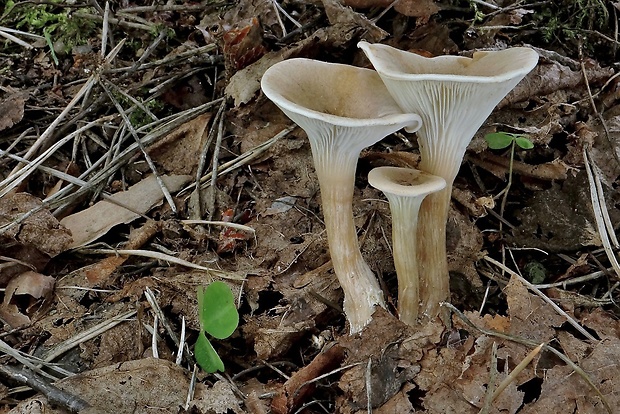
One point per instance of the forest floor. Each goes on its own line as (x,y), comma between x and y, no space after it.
(140,160)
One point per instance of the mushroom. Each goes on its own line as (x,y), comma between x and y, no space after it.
(343,109)
(454,95)
(405,188)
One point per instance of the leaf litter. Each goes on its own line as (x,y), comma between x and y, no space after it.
(137,104)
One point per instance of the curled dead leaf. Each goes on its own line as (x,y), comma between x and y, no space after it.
(23,295)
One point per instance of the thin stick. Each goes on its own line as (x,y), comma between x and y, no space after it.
(181,343)
(54,395)
(369,386)
(154,350)
(147,157)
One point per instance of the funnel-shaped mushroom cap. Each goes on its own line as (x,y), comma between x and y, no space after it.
(343,109)
(314,93)
(405,182)
(454,95)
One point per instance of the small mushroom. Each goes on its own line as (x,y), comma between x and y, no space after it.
(454,95)
(343,109)
(405,188)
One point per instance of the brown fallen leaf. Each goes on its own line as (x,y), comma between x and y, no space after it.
(39,229)
(28,243)
(245,83)
(176,153)
(337,13)
(12,109)
(141,387)
(553,76)
(27,290)
(90,224)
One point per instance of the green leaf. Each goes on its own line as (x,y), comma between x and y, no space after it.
(535,272)
(206,356)
(524,142)
(499,140)
(217,312)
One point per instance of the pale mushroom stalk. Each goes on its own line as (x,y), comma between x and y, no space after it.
(454,96)
(405,188)
(343,109)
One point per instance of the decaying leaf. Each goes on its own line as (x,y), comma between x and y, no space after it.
(12,109)
(39,229)
(23,293)
(90,224)
(339,14)
(145,386)
(178,152)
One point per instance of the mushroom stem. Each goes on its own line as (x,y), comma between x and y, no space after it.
(361,289)
(405,188)
(432,260)
(404,225)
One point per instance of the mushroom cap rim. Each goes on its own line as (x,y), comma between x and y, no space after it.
(531,60)
(409,120)
(388,179)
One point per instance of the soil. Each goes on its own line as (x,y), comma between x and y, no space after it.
(115,118)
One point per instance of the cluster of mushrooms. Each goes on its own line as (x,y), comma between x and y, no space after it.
(344,109)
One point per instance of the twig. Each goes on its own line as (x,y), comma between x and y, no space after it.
(150,297)
(221,223)
(368,378)
(515,372)
(53,394)
(244,158)
(154,350)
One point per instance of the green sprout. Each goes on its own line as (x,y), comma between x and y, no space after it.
(218,316)
(501,140)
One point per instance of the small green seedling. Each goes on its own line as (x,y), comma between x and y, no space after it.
(219,318)
(501,140)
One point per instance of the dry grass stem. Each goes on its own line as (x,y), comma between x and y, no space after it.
(601,215)
(515,372)
(86,335)
(166,258)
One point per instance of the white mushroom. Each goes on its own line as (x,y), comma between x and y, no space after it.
(343,109)
(454,96)
(405,188)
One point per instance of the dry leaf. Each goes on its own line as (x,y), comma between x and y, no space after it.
(12,109)
(92,223)
(40,229)
(32,288)
(177,153)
